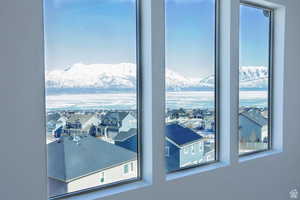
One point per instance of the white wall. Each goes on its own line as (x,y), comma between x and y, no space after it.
(22,143)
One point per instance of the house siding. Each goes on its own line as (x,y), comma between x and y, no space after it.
(247,128)
(111,175)
(172,161)
(130,143)
(56,187)
(128,123)
(187,157)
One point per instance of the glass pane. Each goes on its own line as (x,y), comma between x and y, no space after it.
(190,83)
(91,93)
(254,79)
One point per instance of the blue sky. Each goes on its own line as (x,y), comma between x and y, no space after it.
(89,31)
(254,37)
(103,31)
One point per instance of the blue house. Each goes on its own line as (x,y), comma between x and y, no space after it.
(127,139)
(253,127)
(183,147)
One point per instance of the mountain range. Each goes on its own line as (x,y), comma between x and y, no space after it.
(123,77)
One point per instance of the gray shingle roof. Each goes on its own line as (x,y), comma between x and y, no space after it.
(116,115)
(255,116)
(80,117)
(53,117)
(123,135)
(181,135)
(68,160)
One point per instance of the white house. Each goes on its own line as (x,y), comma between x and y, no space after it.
(85,162)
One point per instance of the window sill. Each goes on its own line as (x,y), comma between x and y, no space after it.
(258,155)
(195,170)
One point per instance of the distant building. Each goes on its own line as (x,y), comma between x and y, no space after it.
(197,113)
(253,126)
(183,147)
(76,163)
(175,114)
(80,124)
(55,122)
(113,123)
(127,139)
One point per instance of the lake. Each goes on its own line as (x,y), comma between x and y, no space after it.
(122,101)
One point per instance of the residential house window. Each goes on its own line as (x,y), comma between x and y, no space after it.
(186,150)
(102,177)
(126,169)
(91,83)
(200,147)
(190,76)
(255,79)
(193,148)
(132,167)
(167,151)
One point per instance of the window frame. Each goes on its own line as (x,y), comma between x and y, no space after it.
(139,95)
(217,95)
(270,79)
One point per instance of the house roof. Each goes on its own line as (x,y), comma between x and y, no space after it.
(116,115)
(53,117)
(181,135)
(80,117)
(69,160)
(255,116)
(124,135)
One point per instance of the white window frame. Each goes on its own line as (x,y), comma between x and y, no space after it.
(21,111)
(270,77)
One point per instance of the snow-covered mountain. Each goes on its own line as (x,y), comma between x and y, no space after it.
(123,76)
(254,77)
(102,76)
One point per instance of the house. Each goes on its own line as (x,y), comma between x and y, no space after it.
(113,122)
(81,162)
(52,119)
(177,113)
(55,124)
(80,123)
(127,139)
(253,126)
(197,113)
(183,147)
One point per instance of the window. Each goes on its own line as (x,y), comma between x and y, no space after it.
(132,167)
(200,147)
(186,150)
(126,169)
(255,75)
(190,75)
(167,149)
(91,93)
(102,177)
(193,148)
